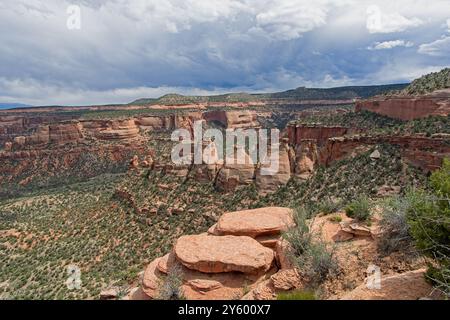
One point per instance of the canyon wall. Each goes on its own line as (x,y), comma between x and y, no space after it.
(325,145)
(242,119)
(409,107)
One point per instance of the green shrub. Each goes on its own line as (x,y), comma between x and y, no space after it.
(328,206)
(171,287)
(296,295)
(359,208)
(394,223)
(335,218)
(311,255)
(429,222)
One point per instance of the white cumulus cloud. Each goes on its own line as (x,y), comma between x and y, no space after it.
(440,47)
(286,20)
(390,44)
(382,22)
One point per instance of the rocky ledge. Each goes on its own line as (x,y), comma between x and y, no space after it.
(227,262)
(244,257)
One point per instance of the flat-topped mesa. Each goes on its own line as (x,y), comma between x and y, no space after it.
(256,222)
(213,254)
(436,103)
(242,119)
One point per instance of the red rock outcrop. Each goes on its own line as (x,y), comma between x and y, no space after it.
(237,170)
(256,222)
(312,147)
(61,133)
(409,107)
(38,162)
(244,119)
(169,122)
(277,172)
(215,254)
(426,153)
(405,286)
(222,266)
(118,130)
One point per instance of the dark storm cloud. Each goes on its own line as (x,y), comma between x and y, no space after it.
(130,49)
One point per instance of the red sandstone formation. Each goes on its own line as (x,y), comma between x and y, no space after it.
(312,146)
(409,107)
(221,266)
(255,222)
(169,122)
(213,254)
(269,180)
(244,119)
(405,286)
(55,134)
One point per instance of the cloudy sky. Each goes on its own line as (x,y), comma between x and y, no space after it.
(120,50)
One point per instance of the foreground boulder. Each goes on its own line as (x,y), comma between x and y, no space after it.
(255,222)
(213,266)
(405,286)
(213,254)
(209,286)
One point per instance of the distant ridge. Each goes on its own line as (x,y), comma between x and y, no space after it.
(301,93)
(13,105)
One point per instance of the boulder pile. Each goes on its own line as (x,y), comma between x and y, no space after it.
(237,255)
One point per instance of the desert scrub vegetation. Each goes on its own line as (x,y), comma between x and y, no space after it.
(394,224)
(359,208)
(429,222)
(374,123)
(428,83)
(171,285)
(310,254)
(83,225)
(328,205)
(297,295)
(422,217)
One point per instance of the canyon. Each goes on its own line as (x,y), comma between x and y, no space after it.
(303,148)
(139,224)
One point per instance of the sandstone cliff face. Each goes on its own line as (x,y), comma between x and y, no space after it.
(119,130)
(271,181)
(314,147)
(244,119)
(23,167)
(169,122)
(56,134)
(423,152)
(234,173)
(409,108)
